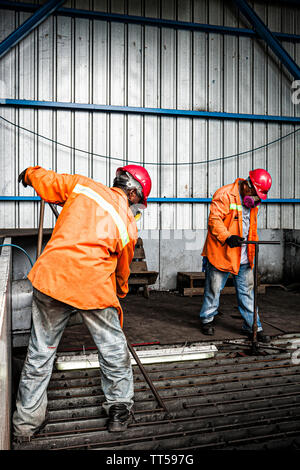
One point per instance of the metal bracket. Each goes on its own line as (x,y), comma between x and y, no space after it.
(29,25)
(269,37)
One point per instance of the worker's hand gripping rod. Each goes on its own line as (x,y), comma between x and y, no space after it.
(135,356)
(256,243)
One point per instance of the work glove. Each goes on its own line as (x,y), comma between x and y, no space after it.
(234,241)
(21,178)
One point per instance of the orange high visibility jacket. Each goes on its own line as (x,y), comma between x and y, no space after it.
(86,262)
(225,219)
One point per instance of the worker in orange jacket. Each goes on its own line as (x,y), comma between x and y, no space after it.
(232,219)
(84,266)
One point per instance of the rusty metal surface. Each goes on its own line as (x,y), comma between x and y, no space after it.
(232,401)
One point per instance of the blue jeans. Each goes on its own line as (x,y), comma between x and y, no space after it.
(215,281)
(49,318)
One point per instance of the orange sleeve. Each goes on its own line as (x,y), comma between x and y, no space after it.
(219,208)
(123,270)
(50,186)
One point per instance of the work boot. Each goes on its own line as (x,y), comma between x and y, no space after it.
(260,336)
(207,329)
(118,417)
(23,438)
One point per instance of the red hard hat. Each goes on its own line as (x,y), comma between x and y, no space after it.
(140,174)
(261,181)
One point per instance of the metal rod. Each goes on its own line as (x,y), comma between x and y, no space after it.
(163,199)
(265,34)
(261,242)
(254,337)
(40,233)
(54,210)
(59,105)
(29,25)
(147,378)
(256,244)
(149,21)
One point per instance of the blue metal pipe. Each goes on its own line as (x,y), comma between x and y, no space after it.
(208,28)
(29,25)
(269,37)
(159,199)
(140,110)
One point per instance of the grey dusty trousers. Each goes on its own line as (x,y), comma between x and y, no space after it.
(49,318)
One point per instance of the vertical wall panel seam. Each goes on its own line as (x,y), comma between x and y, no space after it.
(191,127)
(73,91)
(108,95)
(16,120)
(125,116)
(91,97)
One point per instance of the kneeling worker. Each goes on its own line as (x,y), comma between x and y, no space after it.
(232,219)
(84,266)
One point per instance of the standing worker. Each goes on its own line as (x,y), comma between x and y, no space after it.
(232,219)
(85,266)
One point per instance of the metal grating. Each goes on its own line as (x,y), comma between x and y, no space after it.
(233,401)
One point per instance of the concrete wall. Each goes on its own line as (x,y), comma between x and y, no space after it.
(5,346)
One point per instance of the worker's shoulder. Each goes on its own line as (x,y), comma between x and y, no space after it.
(224,191)
(114,196)
(92,184)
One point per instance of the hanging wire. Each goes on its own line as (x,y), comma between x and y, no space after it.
(20,248)
(149,163)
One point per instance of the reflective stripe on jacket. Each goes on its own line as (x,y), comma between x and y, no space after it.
(86,262)
(225,219)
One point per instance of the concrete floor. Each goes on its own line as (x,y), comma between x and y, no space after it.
(169,318)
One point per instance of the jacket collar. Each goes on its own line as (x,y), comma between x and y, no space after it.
(121,193)
(235,187)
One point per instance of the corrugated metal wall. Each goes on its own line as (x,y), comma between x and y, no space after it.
(92,61)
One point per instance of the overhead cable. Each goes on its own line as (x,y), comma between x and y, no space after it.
(109,157)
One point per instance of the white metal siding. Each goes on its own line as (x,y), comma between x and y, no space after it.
(92,61)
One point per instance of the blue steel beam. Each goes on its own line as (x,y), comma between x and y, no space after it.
(29,25)
(159,199)
(144,111)
(269,37)
(102,16)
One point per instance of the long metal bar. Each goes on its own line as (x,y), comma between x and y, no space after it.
(141,20)
(145,111)
(255,308)
(147,378)
(159,199)
(269,37)
(29,25)
(54,210)
(261,242)
(40,232)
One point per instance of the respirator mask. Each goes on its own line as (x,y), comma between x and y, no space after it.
(251,201)
(135,210)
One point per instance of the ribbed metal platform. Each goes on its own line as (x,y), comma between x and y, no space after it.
(233,401)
